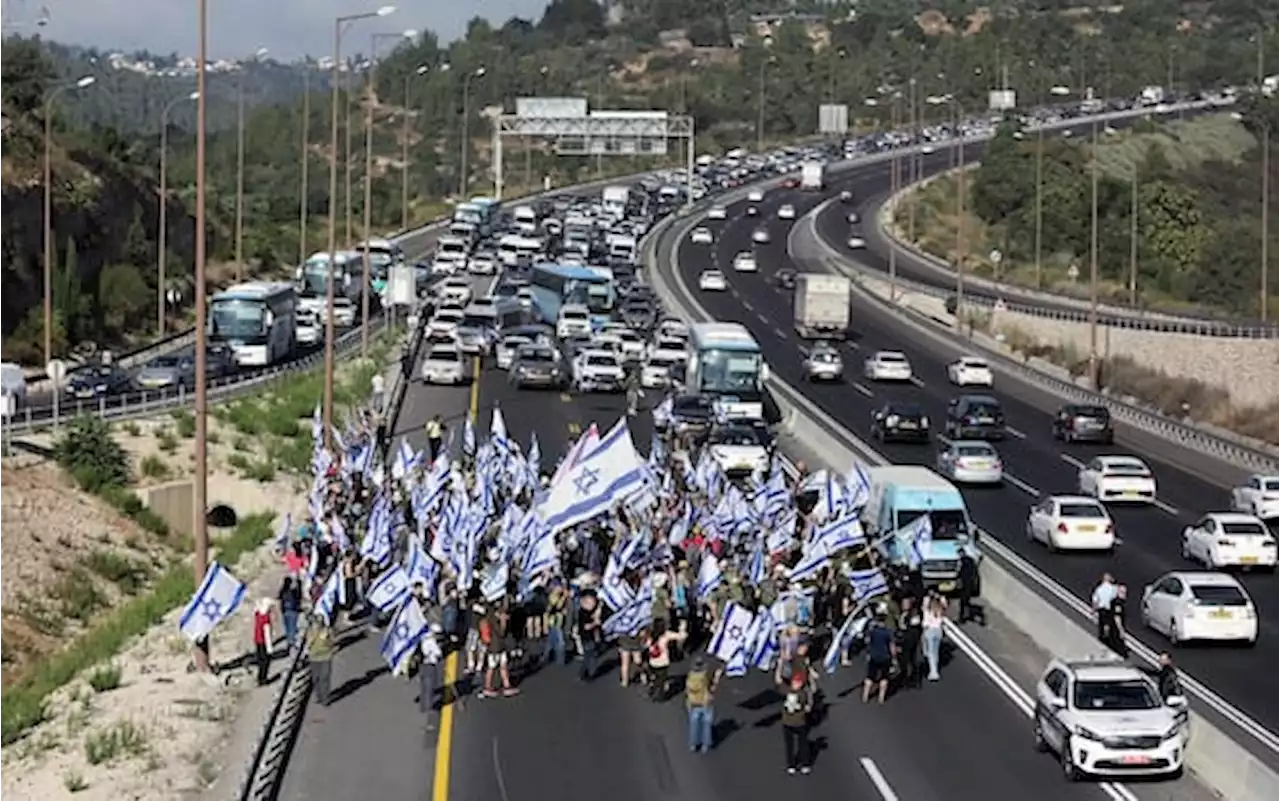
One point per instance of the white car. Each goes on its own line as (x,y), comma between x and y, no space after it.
(823,364)
(970,462)
(482,264)
(1229,539)
(455,290)
(631,344)
(344,312)
(745,263)
(1260,497)
(786,212)
(701,236)
(672,348)
(598,371)
(761,236)
(856,243)
(506,349)
(1117,478)
(1071,523)
(672,329)
(970,371)
(444,365)
(656,373)
(717,213)
(574,319)
(1189,606)
(739,449)
(755,196)
(712,281)
(1106,718)
(887,365)
(445,321)
(444,266)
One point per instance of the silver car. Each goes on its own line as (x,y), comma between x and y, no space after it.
(506,350)
(444,365)
(824,364)
(970,462)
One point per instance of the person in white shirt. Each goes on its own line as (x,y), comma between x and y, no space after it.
(935,610)
(1103,596)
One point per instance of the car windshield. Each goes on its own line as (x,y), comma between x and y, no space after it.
(443,355)
(515,343)
(740,436)
(1127,469)
(892,358)
(905,410)
(1271,485)
(974,364)
(1114,696)
(1087,510)
(1218,595)
(477,321)
(573,314)
(1091,412)
(537,356)
(237,318)
(1244,528)
(975,450)
(602,361)
(449,315)
(692,407)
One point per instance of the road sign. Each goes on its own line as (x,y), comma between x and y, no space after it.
(402,284)
(551,107)
(8,405)
(833,118)
(1002,99)
(56,369)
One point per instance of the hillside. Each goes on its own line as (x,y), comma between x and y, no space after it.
(722,62)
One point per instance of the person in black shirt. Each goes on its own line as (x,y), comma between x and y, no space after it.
(590,632)
(881,651)
(1166,676)
(969,590)
(1115,630)
(910,633)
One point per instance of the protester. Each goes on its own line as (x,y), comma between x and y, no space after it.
(262,639)
(699,699)
(320,655)
(290,597)
(935,611)
(797,703)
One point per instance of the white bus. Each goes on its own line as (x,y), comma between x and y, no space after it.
(725,363)
(256,320)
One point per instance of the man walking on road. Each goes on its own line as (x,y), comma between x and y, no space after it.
(320,654)
(435,436)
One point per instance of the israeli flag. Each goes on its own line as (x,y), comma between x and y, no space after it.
(851,628)
(494,585)
(841,533)
(710,576)
(858,484)
(540,557)
(421,568)
(376,545)
(284,533)
(214,601)
(917,536)
(406,461)
(867,584)
(737,666)
(731,635)
(534,459)
(403,636)
(764,641)
(332,597)
(390,589)
(630,619)
(602,477)
(468,437)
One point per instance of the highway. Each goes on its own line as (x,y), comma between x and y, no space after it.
(565,740)
(1035,462)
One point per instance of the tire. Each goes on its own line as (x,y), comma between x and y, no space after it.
(1037,733)
(1069,770)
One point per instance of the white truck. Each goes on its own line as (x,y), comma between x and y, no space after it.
(614,199)
(813,176)
(822,306)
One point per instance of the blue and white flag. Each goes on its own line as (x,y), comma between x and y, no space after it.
(732,633)
(389,589)
(851,628)
(630,619)
(468,437)
(534,458)
(494,585)
(214,601)
(285,534)
(709,576)
(421,568)
(764,641)
(917,536)
(332,597)
(867,584)
(403,636)
(602,477)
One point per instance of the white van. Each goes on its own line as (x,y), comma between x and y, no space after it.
(13,383)
(526,220)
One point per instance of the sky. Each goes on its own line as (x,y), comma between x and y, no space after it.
(289,29)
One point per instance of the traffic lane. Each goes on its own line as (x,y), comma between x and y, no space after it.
(637,749)
(1149,537)
(370,742)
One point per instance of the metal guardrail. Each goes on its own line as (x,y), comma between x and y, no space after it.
(1056,306)
(262,774)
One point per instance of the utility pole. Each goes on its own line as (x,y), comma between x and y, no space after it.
(1133,238)
(303,189)
(895,183)
(1094,371)
(199,479)
(961,245)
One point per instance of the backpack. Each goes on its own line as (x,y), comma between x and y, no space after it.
(486,631)
(696,688)
(655,649)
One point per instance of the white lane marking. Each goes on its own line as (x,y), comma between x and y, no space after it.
(780,333)
(1015,432)
(1071,460)
(763,319)
(877,778)
(497,773)
(1167,508)
(746,304)
(862,389)
(916,382)
(1022,485)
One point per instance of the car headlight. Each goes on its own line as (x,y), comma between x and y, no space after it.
(1088,734)
(891,420)
(924,422)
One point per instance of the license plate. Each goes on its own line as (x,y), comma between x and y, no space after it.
(1087,529)
(1131,493)
(986,420)
(1135,759)
(907,425)
(1220,614)
(946,586)
(1248,560)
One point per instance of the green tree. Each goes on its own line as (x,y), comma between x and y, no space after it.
(123,297)
(88,452)
(1005,182)
(1174,236)
(25,73)
(69,302)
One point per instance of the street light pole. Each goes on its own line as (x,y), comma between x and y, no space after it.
(370,75)
(303,189)
(1093,260)
(259,53)
(466,129)
(895,184)
(162,232)
(1133,237)
(338,24)
(199,479)
(1263,300)
(346,161)
(404,151)
(48,208)
(961,244)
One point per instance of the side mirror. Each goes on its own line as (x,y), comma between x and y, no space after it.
(1057,703)
(1176,701)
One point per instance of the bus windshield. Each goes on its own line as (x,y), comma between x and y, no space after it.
(729,372)
(315,278)
(237,319)
(948,524)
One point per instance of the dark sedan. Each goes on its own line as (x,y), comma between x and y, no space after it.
(898,421)
(537,366)
(97,381)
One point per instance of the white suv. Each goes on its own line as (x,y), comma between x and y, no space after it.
(1105,717)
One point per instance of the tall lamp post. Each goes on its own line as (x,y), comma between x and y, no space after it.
(1054,91)
(466,129)
(421,70)
(257,54)
(764,64)
(339,25)
(199,478)
(1093,257)
(162,232)
(961,244)
(52,95)
(370,87)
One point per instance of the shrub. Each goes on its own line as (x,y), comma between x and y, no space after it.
(127,574)
(105,678)
(124,739)
(185,422)
(153,466)
(87,451)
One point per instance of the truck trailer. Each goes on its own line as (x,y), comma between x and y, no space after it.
(813,176)
(822,306)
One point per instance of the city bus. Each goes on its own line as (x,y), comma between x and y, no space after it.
(383,255)
(556,284)
(256,320)
(725,363)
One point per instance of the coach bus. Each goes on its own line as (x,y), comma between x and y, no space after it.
(557,284)
(725,363)
(256,320)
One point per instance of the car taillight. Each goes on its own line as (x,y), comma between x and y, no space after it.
(1062,528)
(1225,543)
(1110,528)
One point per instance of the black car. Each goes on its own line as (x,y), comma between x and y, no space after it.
(901,421)
(538,366)
(1076,422)
(97,381)
(975,417)
(786,278)
(691,415)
